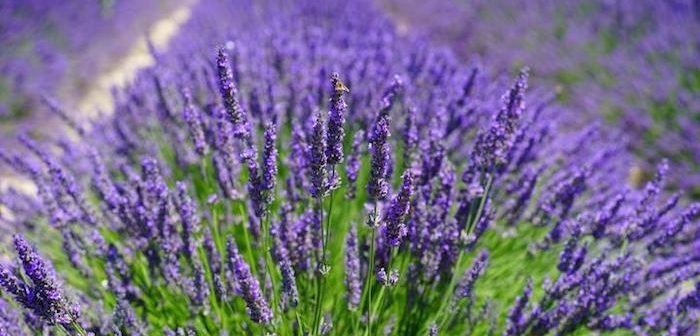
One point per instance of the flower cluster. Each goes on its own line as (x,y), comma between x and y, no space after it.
(228,192)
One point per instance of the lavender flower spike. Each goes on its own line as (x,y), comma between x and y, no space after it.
(190,222)
(269,173)
(466,286)
(336,121)
(353,280)
(290,293)
(194,122)
(317,159)
(391,94)
(229,94)
(352,166)
(378,187)
(395,228)
(46,299)
(515,316)
(492,146)
(258,309)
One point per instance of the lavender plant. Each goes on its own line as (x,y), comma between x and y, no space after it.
(378,186)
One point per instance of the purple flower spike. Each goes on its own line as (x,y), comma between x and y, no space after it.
(352,167)
(190,221)
(378,187)
(394,222)
(515,316)
(269,174)
(466,286)
(258,309)
(43,296)
(229,93)
(318,160)
(391,95)
(290,293)
(336,121)
(353,280)
(492,146)
(194,122)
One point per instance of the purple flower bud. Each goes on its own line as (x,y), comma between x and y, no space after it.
(393,278)
(382,277)
(326,325)
(336,121)
(434,329)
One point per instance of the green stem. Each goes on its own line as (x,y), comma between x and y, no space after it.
(325,238)
(78,328)
(269,265)
(370,270)
(328,219)
(319,277)
(246,238)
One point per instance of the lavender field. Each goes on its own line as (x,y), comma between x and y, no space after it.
(362,167)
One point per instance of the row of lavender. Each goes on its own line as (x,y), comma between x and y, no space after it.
(635,62)
(320,174)
(57,48)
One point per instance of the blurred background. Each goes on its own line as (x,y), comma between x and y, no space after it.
(634,65)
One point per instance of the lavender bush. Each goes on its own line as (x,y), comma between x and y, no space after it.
(304,169)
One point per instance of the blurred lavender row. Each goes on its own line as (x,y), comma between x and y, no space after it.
(58,49)
(635,63)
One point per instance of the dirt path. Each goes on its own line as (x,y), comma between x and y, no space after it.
(122,73)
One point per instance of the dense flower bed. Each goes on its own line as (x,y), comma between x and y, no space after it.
(304,169)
